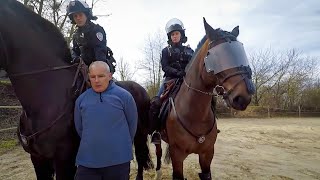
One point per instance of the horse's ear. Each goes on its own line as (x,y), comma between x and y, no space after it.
(210,32)
(235,31)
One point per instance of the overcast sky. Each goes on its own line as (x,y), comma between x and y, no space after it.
(280,24)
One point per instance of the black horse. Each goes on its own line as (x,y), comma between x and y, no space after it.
(34,54)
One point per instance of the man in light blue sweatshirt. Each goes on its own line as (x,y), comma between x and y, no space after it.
(106,119)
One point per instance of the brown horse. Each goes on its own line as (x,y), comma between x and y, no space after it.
(34,53)
(219,64)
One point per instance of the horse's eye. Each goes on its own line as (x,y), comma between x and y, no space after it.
(208,53)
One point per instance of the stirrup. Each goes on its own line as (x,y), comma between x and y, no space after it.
(156,137)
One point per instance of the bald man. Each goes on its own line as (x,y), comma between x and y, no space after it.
(106,119)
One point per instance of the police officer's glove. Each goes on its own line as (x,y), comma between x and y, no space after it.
(181,74)
(75,60)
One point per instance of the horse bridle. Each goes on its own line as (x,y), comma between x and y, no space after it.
(25,139)
(245,73)
(219,90)
(4,54)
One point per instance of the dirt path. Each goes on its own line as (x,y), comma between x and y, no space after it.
(275,149)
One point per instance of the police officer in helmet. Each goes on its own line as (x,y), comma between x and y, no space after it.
(89,40)
(174,60)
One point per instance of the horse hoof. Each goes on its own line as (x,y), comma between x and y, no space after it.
(205,176)
(158,175)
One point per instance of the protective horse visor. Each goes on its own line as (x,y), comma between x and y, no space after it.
(225,56)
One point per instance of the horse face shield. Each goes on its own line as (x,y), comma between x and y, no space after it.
(227,56)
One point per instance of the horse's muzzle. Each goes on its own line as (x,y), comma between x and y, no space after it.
(240,102)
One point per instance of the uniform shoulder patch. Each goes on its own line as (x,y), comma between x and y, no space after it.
(99,36)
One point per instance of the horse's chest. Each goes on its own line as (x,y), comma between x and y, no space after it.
(184,136)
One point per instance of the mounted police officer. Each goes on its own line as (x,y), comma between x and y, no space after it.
(174,60)
(89,40)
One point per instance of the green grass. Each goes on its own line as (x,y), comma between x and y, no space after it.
(6,145)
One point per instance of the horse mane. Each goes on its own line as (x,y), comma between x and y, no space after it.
(41,25)
(200,44)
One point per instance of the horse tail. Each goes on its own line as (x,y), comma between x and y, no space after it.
(142,150)
(167,158)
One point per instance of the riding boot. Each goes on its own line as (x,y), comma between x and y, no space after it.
(205,176)
(156,137)
(156,124)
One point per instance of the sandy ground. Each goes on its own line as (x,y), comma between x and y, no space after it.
(278,149)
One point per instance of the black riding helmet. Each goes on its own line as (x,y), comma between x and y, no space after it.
(76,6)
(175,25)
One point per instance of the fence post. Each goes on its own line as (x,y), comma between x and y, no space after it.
(299,109)
(269,112)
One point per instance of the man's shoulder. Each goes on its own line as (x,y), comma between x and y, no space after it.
(121,92)
(84,94)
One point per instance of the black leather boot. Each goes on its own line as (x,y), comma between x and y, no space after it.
(156,137)
(155,105)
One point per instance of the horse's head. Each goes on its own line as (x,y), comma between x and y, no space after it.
(225,67)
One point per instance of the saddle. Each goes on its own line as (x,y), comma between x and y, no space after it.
(172,87)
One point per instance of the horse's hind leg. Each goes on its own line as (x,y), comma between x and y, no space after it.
(142,153)
(159,155)
(205,162)
(43,168)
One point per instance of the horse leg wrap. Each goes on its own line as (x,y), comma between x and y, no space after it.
(205,176)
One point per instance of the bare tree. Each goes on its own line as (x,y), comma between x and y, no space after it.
(262,63)
(55,12)
(151,62)
(124,70)
(280,78)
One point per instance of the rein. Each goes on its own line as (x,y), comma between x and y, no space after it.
(198,90)
(25,139)
(55,68)
(200,139)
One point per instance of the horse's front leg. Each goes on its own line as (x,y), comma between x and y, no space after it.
(205,162)
(43,168)
(177,158)
(64,159)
